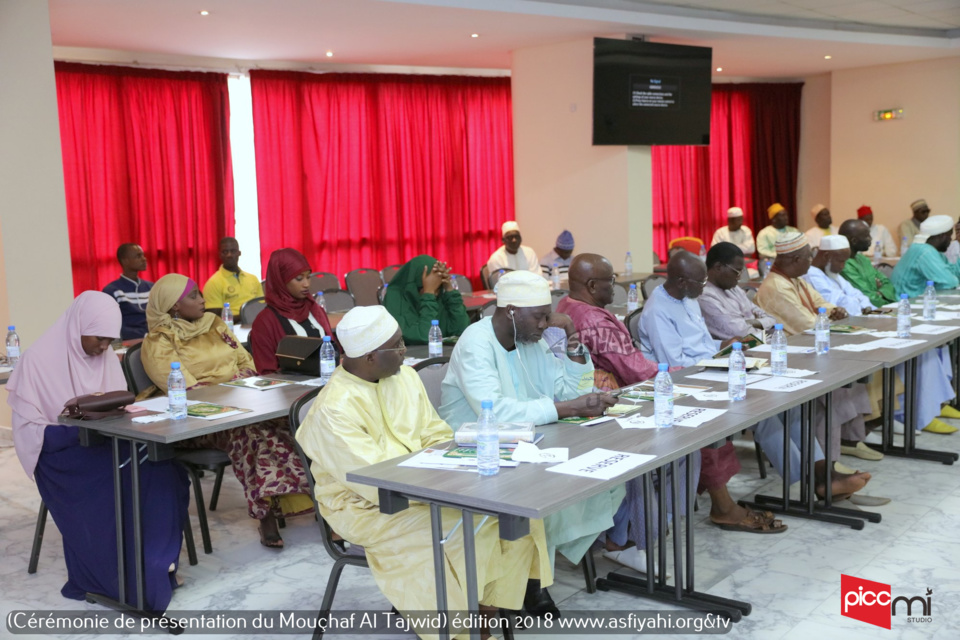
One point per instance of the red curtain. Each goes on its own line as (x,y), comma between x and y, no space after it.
(368,170)
(751,163)
(146,159)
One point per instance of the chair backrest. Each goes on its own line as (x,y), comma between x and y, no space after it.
(556,296)
(750,291)
(656,258)
(364,286)
(690,243)
(650,283)
(485,277)
(133,371)
(322,281)
(488,308)
(251,309)
(338,300)
(494,277)
(464,286)
(885,269)
(633,326)
(387,273)
(619,294)
(298,411)
(431,373)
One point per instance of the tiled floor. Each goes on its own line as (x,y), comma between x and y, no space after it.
(792,579)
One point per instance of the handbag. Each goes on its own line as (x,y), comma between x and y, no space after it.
(94,406)
(300,354)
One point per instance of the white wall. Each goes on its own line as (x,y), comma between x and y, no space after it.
(601,194)
(813,176)
(889,164)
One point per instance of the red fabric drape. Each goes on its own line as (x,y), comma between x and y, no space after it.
(146,159)
(367,170)
(751,163)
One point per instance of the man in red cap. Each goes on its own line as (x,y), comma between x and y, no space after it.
(878,233)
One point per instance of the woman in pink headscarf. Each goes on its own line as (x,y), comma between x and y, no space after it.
(74,358)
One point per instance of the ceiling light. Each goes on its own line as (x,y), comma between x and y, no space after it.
(329,54)
(719,68)
(827,57)
(204,13)
(474,35)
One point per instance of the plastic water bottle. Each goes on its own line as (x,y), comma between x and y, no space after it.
(877,253)
(453,283)
(903,317)
(13,346)
(737,374)
(320,300)
(822,332)
(930,302)
(904,245)
(663,397)
(778,351)
(435,340)
(328,359)
(628,265)
(176,393)
(488,441)
(383,293)
(633,298)
(555,276)
(766,272)
(703,253)
(227,315)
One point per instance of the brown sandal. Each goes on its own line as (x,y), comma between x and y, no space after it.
(272,542)
(755,522)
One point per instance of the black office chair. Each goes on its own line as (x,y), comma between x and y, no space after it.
(364,285)
(323,281)
(650,283)
(250,309)
(387,273)
(494,277)
(338,300)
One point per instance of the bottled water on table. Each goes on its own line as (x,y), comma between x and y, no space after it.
(633,298)
(903,317)
(628,265)
(778,351)
(13,346)
(930,302)
(328,359)
(766,272)
(737,374)
(488,441)
(555,276)
(227,315)
(434,340)
(822,332)
(176,393)
(320,300)
(877,253)
(453,283)
(703,253)
(663,397)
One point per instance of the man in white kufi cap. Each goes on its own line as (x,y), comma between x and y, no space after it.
(824,276)
(910,227)
(823,225)
(513,255)
(927,260)
(374,409)
(504,358)
(736,232)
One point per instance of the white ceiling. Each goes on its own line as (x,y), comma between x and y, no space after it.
(751,38)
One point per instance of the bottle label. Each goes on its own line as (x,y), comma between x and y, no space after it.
(823,336)
(778,356)
(13,352)
(327,367)
(435,349)
(177,397)
(632,306)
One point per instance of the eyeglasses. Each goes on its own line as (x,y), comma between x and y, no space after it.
(612,279)
(399,348)
(702,283)
(736,271)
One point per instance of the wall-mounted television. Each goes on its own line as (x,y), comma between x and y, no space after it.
(650,93)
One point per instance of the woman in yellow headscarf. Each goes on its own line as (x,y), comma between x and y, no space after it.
(263,456)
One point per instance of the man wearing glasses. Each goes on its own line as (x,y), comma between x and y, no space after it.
(726,308)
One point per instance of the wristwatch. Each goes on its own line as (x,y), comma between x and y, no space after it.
(579,352)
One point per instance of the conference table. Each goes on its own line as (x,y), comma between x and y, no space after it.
(155,441)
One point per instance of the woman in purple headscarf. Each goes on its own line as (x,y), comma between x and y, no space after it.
(74,358)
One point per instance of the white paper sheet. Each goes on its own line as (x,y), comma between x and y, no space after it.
(433,459)
(782,384)
(312,382)
(241,332)
(721,376)
(529,452)
(765,348)
(682,417)
(931,329)
(601,464)
(711,396)
(790,373)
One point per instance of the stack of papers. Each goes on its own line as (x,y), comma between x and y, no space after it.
(436,459)
(790,373)
(885,343)
(765,348)
(780,383)
(930,329)
(722,376)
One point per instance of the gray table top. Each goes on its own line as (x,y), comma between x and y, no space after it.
(264,405)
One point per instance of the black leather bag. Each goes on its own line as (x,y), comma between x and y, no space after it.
(300,354)
(95,406)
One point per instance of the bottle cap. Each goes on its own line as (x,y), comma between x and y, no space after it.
(822,310)
(326,338)
(628,253)
(11,328)
(737,346)
(555,263)
(435,323)
(633,285)
(663,366)
(778,327)
(175,365)
(226,305)
(320,293)
(904,296)
(929,283)
(486,404)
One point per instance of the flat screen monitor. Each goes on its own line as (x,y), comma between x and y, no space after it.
(650,93)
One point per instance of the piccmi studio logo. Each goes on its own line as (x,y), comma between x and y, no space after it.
(873,603)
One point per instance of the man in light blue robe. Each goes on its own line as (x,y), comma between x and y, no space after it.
(927,261)
(504,358)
